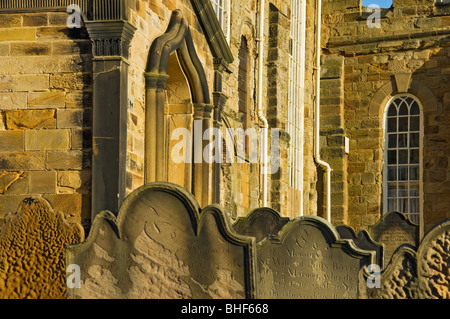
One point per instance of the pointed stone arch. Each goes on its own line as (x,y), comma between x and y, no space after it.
(178,39)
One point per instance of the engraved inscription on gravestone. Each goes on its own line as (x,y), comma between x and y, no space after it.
(307,259)
(260,223)
(161,246)
(393,230)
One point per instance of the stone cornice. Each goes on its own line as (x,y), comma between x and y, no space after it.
(110,38)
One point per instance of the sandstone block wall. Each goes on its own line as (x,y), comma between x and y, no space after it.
(45,112)
(412,40)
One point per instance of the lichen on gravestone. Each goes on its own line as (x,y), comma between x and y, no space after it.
(32,251)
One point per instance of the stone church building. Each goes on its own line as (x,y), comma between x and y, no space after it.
(97,99)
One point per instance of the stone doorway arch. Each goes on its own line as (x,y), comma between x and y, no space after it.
(177,39)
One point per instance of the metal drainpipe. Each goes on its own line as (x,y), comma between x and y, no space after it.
(318,160)
(261,116)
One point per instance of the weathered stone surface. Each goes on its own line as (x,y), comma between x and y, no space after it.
(260,223)
(11,141)
(47,140)
(32,255)
(393,230)
(18,34)
(433,263)
(424,274)
(42,182)
(307,259)
(161,246)
(30,82)
(22,160)
(397,281)
(7,179)
(362,240)
(70,204)
(46,99)
(30,48)
(13,100)
(30,119)
(60,160)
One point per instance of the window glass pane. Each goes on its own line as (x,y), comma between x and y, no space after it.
(414,156)
(414,109)
(414,140)
(392,157)
(403,124)
(402,190)
(392,141)
(402,140)
(403,156)
(415,123)
(402,205)
(414,189)
(392,111)
(403,173)
(414,173)
(414,218)
(403,109)
(392,173)
(413,205)
(392,205)
(392,124)
(408,100)
(392,190)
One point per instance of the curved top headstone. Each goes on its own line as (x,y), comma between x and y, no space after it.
(32,251)
(393,230)
(260,223)
(433,262)
(161,245)
(396,281)
(362,240)
(308,259)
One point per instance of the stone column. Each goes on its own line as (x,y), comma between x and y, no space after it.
(201,174)
(219,100)
(110,41)
(155,134)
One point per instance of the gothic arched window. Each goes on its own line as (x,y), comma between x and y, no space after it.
(402,170)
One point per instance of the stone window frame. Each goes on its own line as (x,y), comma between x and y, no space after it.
(385,158)
(222,9)
(403,83)
(296,86)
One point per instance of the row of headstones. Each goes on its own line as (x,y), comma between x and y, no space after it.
(162,245)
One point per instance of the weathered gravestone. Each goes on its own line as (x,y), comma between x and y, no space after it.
(396,281)
(392,230)
(362,240)
(161,246)
(424,274)
(260,223)
(433,263)
(307,259)
(32,251)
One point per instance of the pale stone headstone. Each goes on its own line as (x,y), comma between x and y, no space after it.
(260,223)
(393,230)
(32,251)
(362,240)
(307,259)
(397,281)
(433,263)
(411,274)
(161,246)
